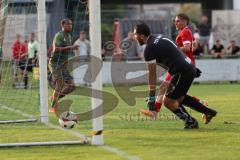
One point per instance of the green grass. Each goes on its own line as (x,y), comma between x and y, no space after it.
(163,139)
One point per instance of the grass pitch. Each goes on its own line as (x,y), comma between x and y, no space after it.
(125,129)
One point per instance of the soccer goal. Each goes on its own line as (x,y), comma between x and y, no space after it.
(24,88)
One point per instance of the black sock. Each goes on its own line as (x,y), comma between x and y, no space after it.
(194,104)
(183,114)
(25,79)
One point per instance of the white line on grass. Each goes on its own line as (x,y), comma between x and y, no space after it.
(117,151)
(16,111)
(105,147)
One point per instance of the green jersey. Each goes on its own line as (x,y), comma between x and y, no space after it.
(59,58)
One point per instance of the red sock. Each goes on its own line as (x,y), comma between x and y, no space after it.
(196,98)
(157,106)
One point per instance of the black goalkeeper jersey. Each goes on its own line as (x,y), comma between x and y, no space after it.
(165,53)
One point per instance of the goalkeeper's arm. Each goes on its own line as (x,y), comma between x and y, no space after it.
(151,84)
(152,78)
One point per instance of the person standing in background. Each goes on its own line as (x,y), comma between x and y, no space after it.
(19,57)
(84,45)
(233,50)
(132,52)
(204,32)
(32,52)
(217,50)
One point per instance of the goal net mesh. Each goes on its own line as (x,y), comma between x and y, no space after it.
(19,83)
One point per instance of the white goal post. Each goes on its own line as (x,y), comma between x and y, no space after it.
(42,33)
(95,37)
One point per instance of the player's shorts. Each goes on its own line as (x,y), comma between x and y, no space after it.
(31,64)
(181,83)
(169,76)
(22,64)
(60,73)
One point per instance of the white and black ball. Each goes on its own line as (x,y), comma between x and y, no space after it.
(67,120)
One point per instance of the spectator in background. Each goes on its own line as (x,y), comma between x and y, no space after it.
(130,47)
(204,32)
(233,50)
(32,52)
(192,27)
(196,35)
(106,52)
(19,55)
(174,31)
(198,49)
(84,45)
(103,53)
(217,50)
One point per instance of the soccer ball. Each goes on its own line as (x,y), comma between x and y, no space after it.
(67,120)
(66,123)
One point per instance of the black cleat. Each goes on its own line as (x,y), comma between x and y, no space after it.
(191,125)
(207,118)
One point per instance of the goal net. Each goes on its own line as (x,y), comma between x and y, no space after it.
(24,118)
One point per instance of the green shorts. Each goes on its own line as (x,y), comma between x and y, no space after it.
(60,73)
